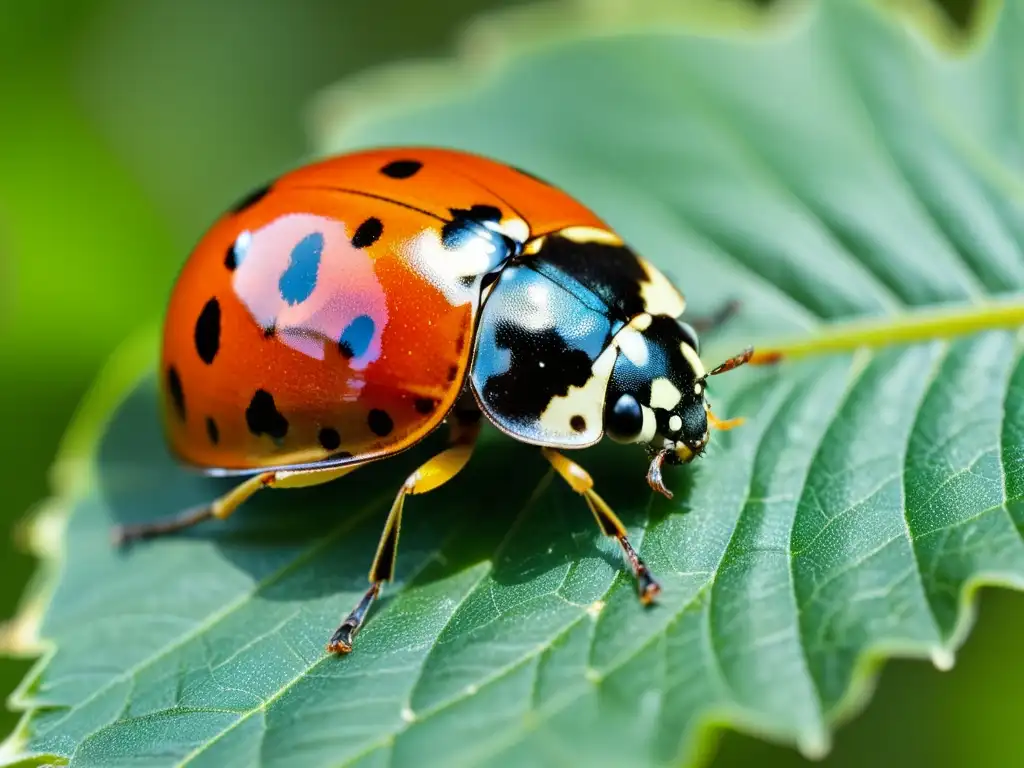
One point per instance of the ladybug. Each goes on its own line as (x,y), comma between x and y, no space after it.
(341,314)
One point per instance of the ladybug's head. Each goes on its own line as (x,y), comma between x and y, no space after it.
(657,393)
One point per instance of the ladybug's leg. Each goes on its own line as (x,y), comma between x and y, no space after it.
(229,502)
(436,472)
(581,482)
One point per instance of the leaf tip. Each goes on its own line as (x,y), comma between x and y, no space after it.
(815,745)
(943,659)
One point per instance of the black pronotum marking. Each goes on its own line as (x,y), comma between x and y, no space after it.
(401,169)
(578,423)
(176,392)
(263,418)
(329,438)
(207,332)
(212,431)
(380,422)
(549,368)
(612,272)
(251,199)
(368,233)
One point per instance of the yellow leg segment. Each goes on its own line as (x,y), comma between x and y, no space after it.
(229,502)
(433,474)
(581,482)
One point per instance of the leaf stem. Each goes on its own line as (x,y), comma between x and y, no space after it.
(900,329)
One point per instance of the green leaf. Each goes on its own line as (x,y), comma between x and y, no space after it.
(830,166)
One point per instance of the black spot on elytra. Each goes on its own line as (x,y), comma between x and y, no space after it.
(380,422)
(356,337)
(368,233)
(543,367)
(612,272)
(269,332)
(263,418)
(578,423)
(230,260)
(329,438)
(453,372)
(425,405)
(207,332)
(212,431)
(401,169)
(251,199)
(176,392)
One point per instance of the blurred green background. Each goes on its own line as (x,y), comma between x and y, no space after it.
(127,125)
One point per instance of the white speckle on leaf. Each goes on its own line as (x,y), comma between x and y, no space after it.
(408,715)
(595,608)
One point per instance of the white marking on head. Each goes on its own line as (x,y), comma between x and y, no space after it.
(664,394)
(697,388)
(693,359)
(649,428)
(634,346)
(675,423)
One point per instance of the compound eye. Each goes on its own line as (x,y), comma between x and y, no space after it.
(689,335)
(625,421)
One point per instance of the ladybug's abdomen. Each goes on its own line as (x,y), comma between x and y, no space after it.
(317,327)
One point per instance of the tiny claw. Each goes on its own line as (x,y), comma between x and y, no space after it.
(647,588)
(341,640)
(127,534)
(123,535)
(654,477)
